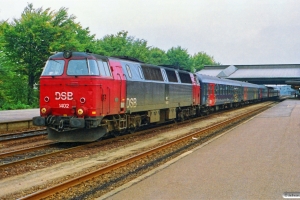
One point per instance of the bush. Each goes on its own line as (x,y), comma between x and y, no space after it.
(12,106)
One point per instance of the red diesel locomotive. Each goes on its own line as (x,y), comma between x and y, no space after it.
(84,96)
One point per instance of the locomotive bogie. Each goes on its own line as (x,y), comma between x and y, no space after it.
(154,116)
(171,113)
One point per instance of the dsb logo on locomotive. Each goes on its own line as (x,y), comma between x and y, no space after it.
(63,95)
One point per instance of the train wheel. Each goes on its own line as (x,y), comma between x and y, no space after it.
(180,117)
(132,129)
(116,133)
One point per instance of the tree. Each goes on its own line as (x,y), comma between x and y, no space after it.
(69,35)
(122,45)
(28,42)
(157,56)
(13,87)
(179,57)
(3,80)
(200,59)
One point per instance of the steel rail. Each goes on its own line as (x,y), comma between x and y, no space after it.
(76,181)
(62,151)
(11,153)
(21,135)
(40,156)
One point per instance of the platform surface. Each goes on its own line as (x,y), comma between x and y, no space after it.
(18,115)
(259,159)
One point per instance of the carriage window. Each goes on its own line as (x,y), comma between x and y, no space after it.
(171,76)
(128,71)
(54,68)
(221,89)
(204,89)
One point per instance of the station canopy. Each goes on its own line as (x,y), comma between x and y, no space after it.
(258,74)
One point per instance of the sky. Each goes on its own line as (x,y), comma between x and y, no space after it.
(234,32)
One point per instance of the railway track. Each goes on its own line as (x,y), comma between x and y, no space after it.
(22,135)
(15,158)
(101,180)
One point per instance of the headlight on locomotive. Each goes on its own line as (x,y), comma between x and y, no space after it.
(45,110)
(80,111)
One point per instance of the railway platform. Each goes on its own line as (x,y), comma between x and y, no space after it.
(259,159)
(18,115)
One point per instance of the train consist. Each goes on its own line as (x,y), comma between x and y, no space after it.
(84,96)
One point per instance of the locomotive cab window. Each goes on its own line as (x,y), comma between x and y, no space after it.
(93,68)
(104,68)
(82,67)
(54,68)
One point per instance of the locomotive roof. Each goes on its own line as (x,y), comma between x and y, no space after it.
(78,54)
(134,60)
(128,58)
(120,58)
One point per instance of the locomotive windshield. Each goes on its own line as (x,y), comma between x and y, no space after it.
(54,68)
(82,67)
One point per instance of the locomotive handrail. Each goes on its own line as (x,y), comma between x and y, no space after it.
(101,97)
(108,99)
(69,84)
(120,89)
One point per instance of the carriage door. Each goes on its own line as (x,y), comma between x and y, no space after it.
(211,94)
(245,93)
